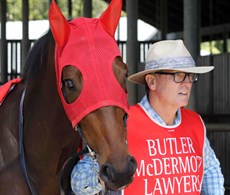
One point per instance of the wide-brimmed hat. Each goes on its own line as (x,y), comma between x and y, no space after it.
(168,55)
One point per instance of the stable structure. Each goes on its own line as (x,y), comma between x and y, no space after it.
(193,21)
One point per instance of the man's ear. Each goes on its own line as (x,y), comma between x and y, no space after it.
(151,81)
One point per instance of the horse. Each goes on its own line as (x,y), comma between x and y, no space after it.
(73,78)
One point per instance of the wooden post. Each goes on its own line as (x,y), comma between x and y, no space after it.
(25,30)
(163,18)
(3,43)
(70,8)
(132,53)
(191,36)
(87,8)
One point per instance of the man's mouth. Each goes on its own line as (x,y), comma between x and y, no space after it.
(183,93)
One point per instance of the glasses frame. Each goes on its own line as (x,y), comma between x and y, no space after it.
(187,74)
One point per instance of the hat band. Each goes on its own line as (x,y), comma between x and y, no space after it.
(171,63)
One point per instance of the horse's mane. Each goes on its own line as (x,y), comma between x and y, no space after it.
(37,56)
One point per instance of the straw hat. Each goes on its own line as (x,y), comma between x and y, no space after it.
(168,55)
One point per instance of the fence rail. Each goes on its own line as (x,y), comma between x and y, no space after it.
(14,58)
(212,89)
(219,137)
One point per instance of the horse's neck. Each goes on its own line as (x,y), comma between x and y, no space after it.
(48,132)
(9,129)
(43,112)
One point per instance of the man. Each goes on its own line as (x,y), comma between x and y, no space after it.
(173,153)
(168,141)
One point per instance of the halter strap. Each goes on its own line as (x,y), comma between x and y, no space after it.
(21,145)
(90,151)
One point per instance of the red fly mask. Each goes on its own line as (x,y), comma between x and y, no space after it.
(89,45)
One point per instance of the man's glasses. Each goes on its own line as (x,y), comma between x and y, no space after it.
(179,77)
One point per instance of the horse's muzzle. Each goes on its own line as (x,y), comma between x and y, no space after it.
(116,180)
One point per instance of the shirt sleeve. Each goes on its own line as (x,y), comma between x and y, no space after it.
(87,178)
(213,180)
(84,177)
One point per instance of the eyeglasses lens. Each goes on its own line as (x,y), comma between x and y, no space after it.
(181,76)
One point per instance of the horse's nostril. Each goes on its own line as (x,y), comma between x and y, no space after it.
(132,165)
(107,172)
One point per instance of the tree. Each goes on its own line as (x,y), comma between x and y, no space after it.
(39,9)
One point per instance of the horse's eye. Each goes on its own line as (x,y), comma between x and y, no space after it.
(125,117)
(69,84)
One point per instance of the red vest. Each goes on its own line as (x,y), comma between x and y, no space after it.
(170,159)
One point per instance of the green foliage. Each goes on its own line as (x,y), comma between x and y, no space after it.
(213,47)
(38,9)
(14,9)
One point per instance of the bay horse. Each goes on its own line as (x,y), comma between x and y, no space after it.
(73,77)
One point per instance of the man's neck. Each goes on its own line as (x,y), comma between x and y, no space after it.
(166,112)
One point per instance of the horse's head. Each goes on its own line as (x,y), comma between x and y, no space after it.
(91,82)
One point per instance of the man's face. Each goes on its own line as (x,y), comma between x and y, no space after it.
(171,93)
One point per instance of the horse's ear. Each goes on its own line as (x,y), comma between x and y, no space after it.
(59,25)
(111,16)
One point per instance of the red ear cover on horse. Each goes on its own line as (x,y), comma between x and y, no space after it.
(59,25)
(111,16)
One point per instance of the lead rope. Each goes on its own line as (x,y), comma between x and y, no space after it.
(92,154)
(21,145)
